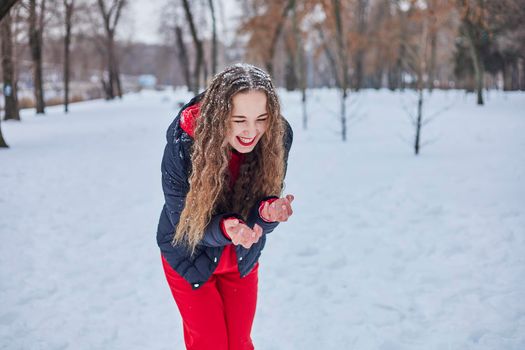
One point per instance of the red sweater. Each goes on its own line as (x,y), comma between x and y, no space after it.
(187,123)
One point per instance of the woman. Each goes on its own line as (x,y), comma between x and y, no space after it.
(222,175)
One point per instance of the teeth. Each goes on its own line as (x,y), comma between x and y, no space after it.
(245,140)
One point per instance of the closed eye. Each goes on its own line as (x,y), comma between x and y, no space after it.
(242,121)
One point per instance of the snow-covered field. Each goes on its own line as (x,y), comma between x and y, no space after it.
(385,250)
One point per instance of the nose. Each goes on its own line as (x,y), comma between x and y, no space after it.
(251,130)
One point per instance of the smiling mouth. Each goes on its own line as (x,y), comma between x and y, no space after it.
(245,142)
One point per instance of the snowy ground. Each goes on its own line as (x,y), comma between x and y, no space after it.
(385,250)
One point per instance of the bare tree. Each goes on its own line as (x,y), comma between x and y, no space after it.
(183,56)
(264,29)
(329,53)
(275,35)
(10,90)
(418,55)
(171,28)
(418,60)
(111,16)
(198,48)
(36,29)
(69,8)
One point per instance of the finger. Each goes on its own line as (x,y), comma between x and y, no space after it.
(231,223)
(247,243)
(286,207)
(283,213)
(268,211)
(266,206)
(289,210)
(290,198)
(243,240)
(235,239)
(273,214)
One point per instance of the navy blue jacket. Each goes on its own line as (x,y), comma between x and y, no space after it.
(176,166)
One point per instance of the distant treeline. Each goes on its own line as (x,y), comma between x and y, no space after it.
(349,44)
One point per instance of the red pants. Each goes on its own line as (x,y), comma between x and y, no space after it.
(218,315)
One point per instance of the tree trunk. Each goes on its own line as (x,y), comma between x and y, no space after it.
(433,53)
(360,53)
(3,144)
(358,59)
(114,85)
(515,76)
(476,60)
(392,78)
(290,72)
(198,48)
(111,17)
(10,98)
(213,40)
(67,42)
(522,74)
(300,62)
(35,41)
(5,6)
(506,76)
(419,116)
(433,45)
(275,37)
(479,75)
(399,70)
(116,73)
(290,79)
(341,48)
(330,57)
(110,88)
(183,58)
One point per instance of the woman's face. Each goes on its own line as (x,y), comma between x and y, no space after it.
(248,120)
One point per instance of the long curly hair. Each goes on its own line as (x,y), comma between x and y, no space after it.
(260,175)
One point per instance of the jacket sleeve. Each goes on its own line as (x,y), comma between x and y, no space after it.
(175,187)
(254,216)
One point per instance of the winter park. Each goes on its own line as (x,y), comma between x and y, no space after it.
(407,169)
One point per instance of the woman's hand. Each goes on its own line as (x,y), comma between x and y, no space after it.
(241,234)
(280,210)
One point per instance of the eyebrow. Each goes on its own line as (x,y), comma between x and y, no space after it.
(241,116)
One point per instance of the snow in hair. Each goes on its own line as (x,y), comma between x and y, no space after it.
(243,76)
